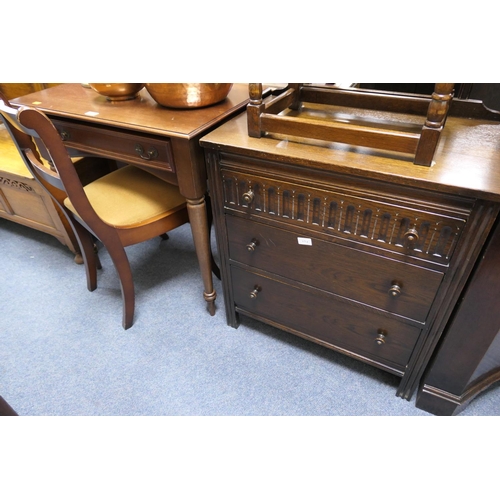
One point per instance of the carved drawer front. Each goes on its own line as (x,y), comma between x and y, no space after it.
(400,288)
(383,340)
(429,233)
(130,148)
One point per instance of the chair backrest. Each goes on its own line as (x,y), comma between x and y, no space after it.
(32,131)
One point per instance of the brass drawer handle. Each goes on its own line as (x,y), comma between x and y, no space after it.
(396,289)
(248,196)
(151,153)
(64,135)
(381,336)
(255,292)
(252,245)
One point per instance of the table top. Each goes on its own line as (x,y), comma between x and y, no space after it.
(467,160)
(143,114)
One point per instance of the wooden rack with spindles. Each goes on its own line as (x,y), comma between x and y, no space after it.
(271,117)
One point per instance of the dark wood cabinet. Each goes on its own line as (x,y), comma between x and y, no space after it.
(362,252)
(467,361)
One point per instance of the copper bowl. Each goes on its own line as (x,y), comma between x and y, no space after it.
(117,91)
(188,95)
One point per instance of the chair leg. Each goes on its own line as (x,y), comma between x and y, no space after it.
(89,255)
(98,261)
(122,266)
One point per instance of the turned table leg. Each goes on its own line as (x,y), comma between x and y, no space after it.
(197,211)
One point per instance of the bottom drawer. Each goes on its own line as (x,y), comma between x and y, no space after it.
(384,340)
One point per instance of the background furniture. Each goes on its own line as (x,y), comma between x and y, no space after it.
(467,361)
(164,142)
(356,249)
(13,90)
(5,409)
(22,199)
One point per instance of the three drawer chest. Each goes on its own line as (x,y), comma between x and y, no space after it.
(358,250)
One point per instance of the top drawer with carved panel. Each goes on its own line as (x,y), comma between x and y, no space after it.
(392,221)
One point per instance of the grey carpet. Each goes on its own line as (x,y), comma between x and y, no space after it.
(63,350)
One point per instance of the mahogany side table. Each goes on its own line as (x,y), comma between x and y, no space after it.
(163,141)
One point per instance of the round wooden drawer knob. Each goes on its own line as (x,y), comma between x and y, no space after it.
(381,336)
(395,290)
(411,236)
(248,196)
(252,245)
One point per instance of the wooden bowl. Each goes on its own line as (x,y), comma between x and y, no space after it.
(188,95)
(117,91)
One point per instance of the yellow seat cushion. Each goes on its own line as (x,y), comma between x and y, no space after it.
(130,196)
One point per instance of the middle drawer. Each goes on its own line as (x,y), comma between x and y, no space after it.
(397,287)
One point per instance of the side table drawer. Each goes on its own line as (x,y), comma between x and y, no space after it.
(397,287)
(127,147)
(321,317)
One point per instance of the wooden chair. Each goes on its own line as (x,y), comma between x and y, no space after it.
(122,208)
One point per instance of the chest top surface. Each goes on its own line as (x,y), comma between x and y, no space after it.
(466,163)
(143,114)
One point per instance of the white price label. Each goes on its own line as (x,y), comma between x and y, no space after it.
(304,241)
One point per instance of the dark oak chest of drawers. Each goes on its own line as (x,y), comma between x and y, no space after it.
(312,242)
